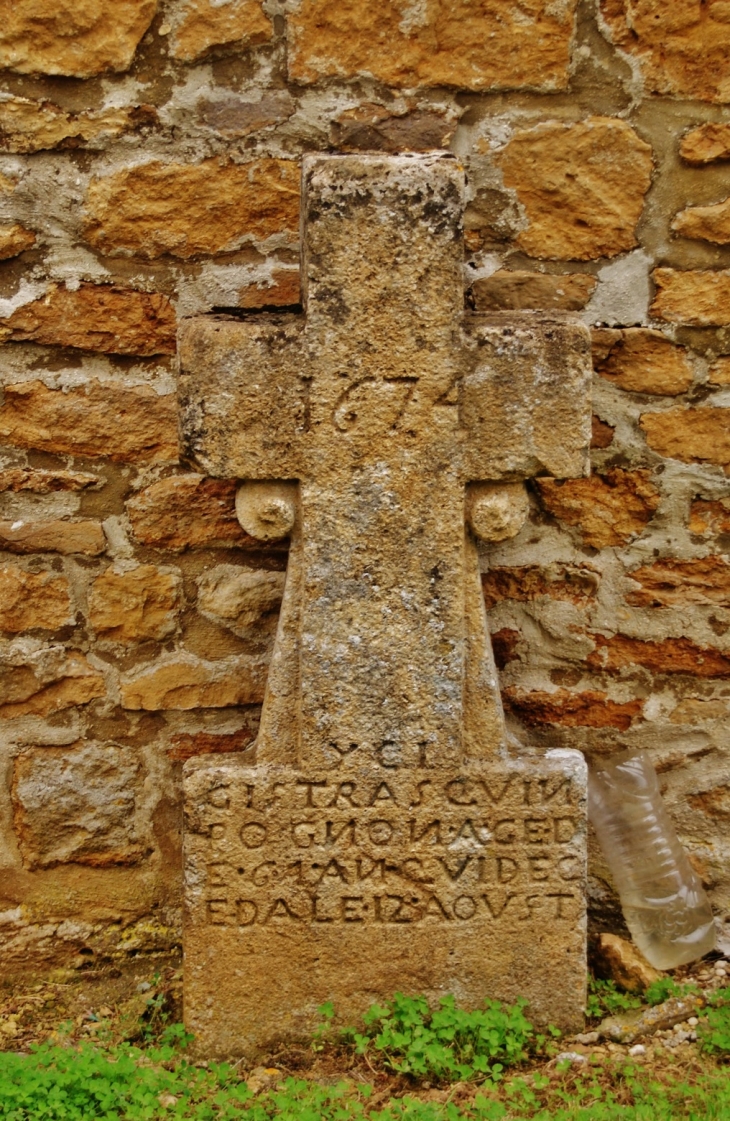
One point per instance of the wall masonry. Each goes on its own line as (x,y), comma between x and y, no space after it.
(150,158)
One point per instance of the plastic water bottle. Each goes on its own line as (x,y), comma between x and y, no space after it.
(663,900)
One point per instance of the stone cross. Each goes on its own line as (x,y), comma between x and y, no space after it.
(387,838)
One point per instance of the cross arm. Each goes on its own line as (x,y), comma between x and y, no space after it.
(243,395)
(525,399)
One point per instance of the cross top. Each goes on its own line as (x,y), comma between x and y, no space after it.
(370,418)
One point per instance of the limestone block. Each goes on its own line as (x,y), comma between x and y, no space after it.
(186,512)
(588,709)
(575,583)
(709,517)
(77,805)
(14,240)
(695,297)
(601,433)
(621,962)
(75,38)
(54,535)
(46,682)
(708,223)
(233,116)
(245,601)
(448,44)
(582,186)
(205,24)
(134,605)
(280,289)
(644,361)
(719,372)
(374,127)
(608,508)
(42,481)
(691,435)
(676,583)
(110,419)
(695,710)
(184,682)
(96,317)
(505,291)
(30,600)
(683,49)
(670,655)
(375,879)
(188,209)
(32,126)
(706,144)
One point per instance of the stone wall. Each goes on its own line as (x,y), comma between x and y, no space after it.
(149,169)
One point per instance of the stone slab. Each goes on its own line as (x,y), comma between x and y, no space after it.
(350,883)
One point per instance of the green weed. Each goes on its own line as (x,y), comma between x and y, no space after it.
(713,1031)
(448,1043)
(604,999)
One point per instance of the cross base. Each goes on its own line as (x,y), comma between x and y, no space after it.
(347,885)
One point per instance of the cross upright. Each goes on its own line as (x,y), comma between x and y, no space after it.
(373,428)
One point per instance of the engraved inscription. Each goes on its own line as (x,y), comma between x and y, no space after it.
(385,847)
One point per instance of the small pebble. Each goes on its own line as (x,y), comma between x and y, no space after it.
(637,1049)
(693,1021)
(572,1057)
(587,1037)
(144,987)
(693,1036)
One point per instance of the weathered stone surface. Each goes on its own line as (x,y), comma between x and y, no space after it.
(123,423)
(373,881)
(374,127)
(134,605)
(582,186)
(41,481)
(47,682)
(14,240)
(719,372)
(32,126)
(709,516)
(245,601)
(455,44)
(643,361)
(608,509)
(572,582)
(77,805)
(55,535)
(205,24)
(675,583)
(621,962)
(588,709)
(706,144)
(281,289)
(234,116)
(381,673)
(670,655)
(30,600)
(184,682)
(682,48)
(96,317)
(187,512)
(496,511)
(187,209)
(693,710)
(695,297)
(692,435)
(75,38)
(708,223)
(628,1026)
(506,291)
